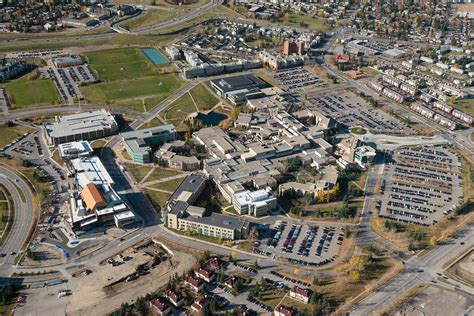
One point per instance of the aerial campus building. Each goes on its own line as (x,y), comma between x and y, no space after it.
(138,144)
(73,150)
(95,202)
(181,215)
(237,89)
(12,68)
(81,126)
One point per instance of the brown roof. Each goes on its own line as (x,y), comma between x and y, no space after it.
(287,311)
(92,197)
(304,292)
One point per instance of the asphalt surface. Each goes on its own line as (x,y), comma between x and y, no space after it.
(22,220)
(420,270)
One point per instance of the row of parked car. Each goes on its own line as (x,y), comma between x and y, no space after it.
(291,238)
(294,281)
(307,242)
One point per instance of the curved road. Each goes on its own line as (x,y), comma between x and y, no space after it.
(142,31)
(22,220)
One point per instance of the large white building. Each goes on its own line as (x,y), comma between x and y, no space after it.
(73,150)
(82,126)
(256,203)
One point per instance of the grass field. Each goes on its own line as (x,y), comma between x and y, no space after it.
(158,198)
(160,173)
(160,85)
(10,133)
(120,64)
(152,123)
(150,17)
(179,110)
(138,172)
(204,99)
(295,20)
(358,131)
(39,92)
(466,105)
(129,80)
(171,185)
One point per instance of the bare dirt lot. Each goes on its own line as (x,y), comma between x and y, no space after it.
(107,283)
(436,301)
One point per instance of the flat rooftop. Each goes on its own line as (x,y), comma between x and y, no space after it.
(85,122)
(91,169)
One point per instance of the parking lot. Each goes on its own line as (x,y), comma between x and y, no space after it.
(421,185)
(30,149)
(351,110)
(298,78)
(67,79)
(302,244)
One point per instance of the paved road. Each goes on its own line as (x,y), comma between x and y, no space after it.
(417,271)
(22,222)
(365,235)
(61,38)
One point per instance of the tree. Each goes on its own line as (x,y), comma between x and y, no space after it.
(255,265)
(238,285)
(355,275)
(433,240)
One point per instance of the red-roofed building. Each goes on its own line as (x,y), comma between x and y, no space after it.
(159,308)
(230,281)
(195,283)
(300,294)
(205,275)
(174,298)
(282,310)
(215,263)
(200,302)
(341,58)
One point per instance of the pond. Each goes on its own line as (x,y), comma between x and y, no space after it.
(212,118)
(155,56)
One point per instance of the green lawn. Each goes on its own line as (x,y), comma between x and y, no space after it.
(179,110)
(3,213)
(152,123)
(295,20)
(8,135)
(171,185)
(160,173)
(358,131)
(25,93)
(160,86)
(465,105)
(158,198)
(120,64)
(138,171)
(149,18)
(204,99)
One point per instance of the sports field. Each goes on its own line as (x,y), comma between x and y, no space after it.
(129,79)
(120,64)
(122,89)
(25,93)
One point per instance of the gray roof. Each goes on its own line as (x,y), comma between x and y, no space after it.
(82,123)
(239,83)
(191,183)
(219,220)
